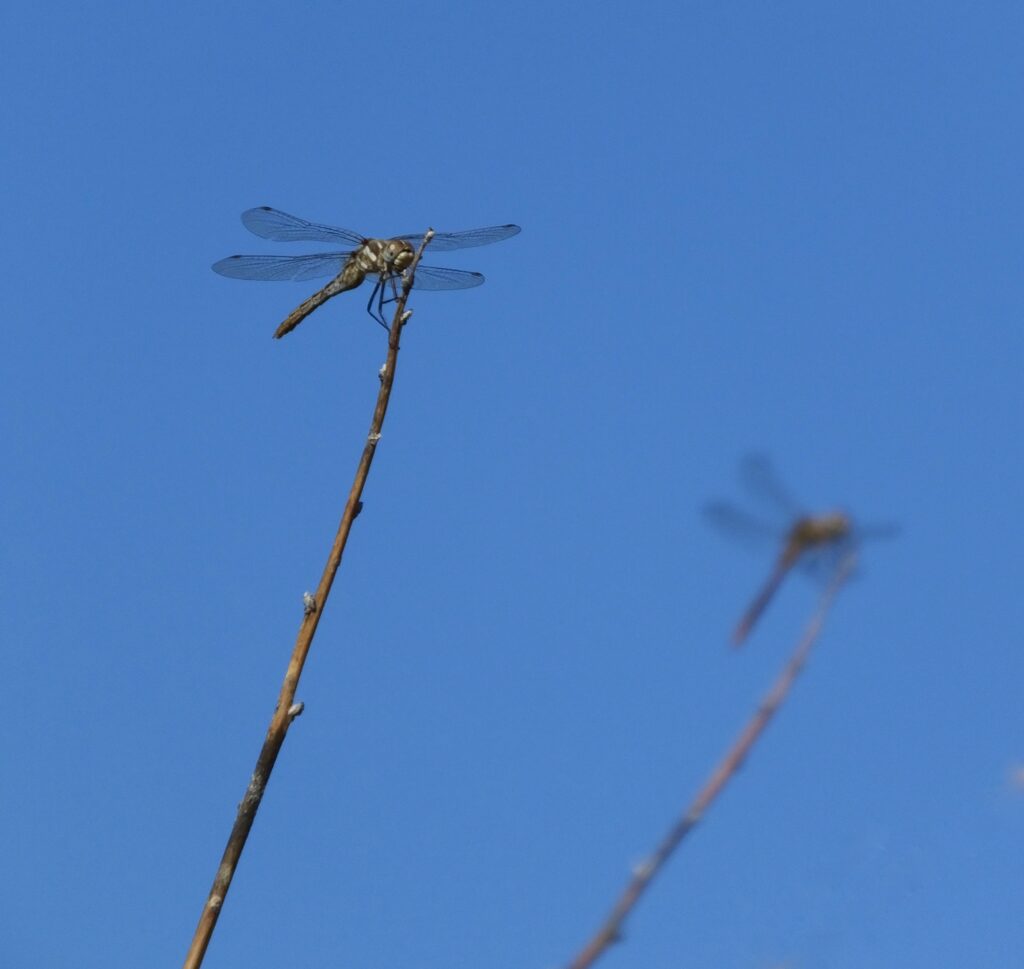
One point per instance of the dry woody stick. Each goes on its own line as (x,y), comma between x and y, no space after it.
(611,929)
(287,710)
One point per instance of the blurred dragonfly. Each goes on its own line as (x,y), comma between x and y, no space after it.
(383,259)
(811,540)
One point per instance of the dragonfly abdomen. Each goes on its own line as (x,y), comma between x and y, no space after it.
(351,276)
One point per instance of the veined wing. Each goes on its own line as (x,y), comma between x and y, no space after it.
(268,223)
(467,239)
(314,266)
(434,277)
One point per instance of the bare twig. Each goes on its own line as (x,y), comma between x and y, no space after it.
(611,930)
(287,710)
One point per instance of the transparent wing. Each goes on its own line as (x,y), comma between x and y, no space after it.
(758,477)
(268,223)
(433,277)
(736,523)
(875,530)
(314,266)
(467,239)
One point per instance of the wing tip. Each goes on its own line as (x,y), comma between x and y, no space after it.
(221,266)
(257,210)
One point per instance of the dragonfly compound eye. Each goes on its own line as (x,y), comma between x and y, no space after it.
(400,255)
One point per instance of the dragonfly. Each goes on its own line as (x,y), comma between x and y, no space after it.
(812,540)
(383,260)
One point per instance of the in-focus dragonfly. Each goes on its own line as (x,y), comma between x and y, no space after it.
(383,259)
(813,540)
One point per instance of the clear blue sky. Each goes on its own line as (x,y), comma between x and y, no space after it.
(790,227)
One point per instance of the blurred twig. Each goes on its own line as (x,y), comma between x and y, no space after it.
(611,930)
(286,709)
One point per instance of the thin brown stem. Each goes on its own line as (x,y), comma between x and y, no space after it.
(611,930)
(285,712)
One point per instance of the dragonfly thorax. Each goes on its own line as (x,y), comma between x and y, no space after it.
(384,256)
(820,529)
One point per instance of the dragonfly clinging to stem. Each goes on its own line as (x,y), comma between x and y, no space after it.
(830,532)
(385,260)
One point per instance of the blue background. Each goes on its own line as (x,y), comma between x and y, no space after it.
(793,228)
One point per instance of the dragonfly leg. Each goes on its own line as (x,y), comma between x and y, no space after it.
(393,298)
(377,316)
(380,304)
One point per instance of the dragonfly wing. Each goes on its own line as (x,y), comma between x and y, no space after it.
(314,266)
(434,277)
(877,530)
(467,239)
(268,223)
(758,477)
(737,523)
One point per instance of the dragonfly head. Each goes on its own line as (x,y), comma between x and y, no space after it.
(397,255)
